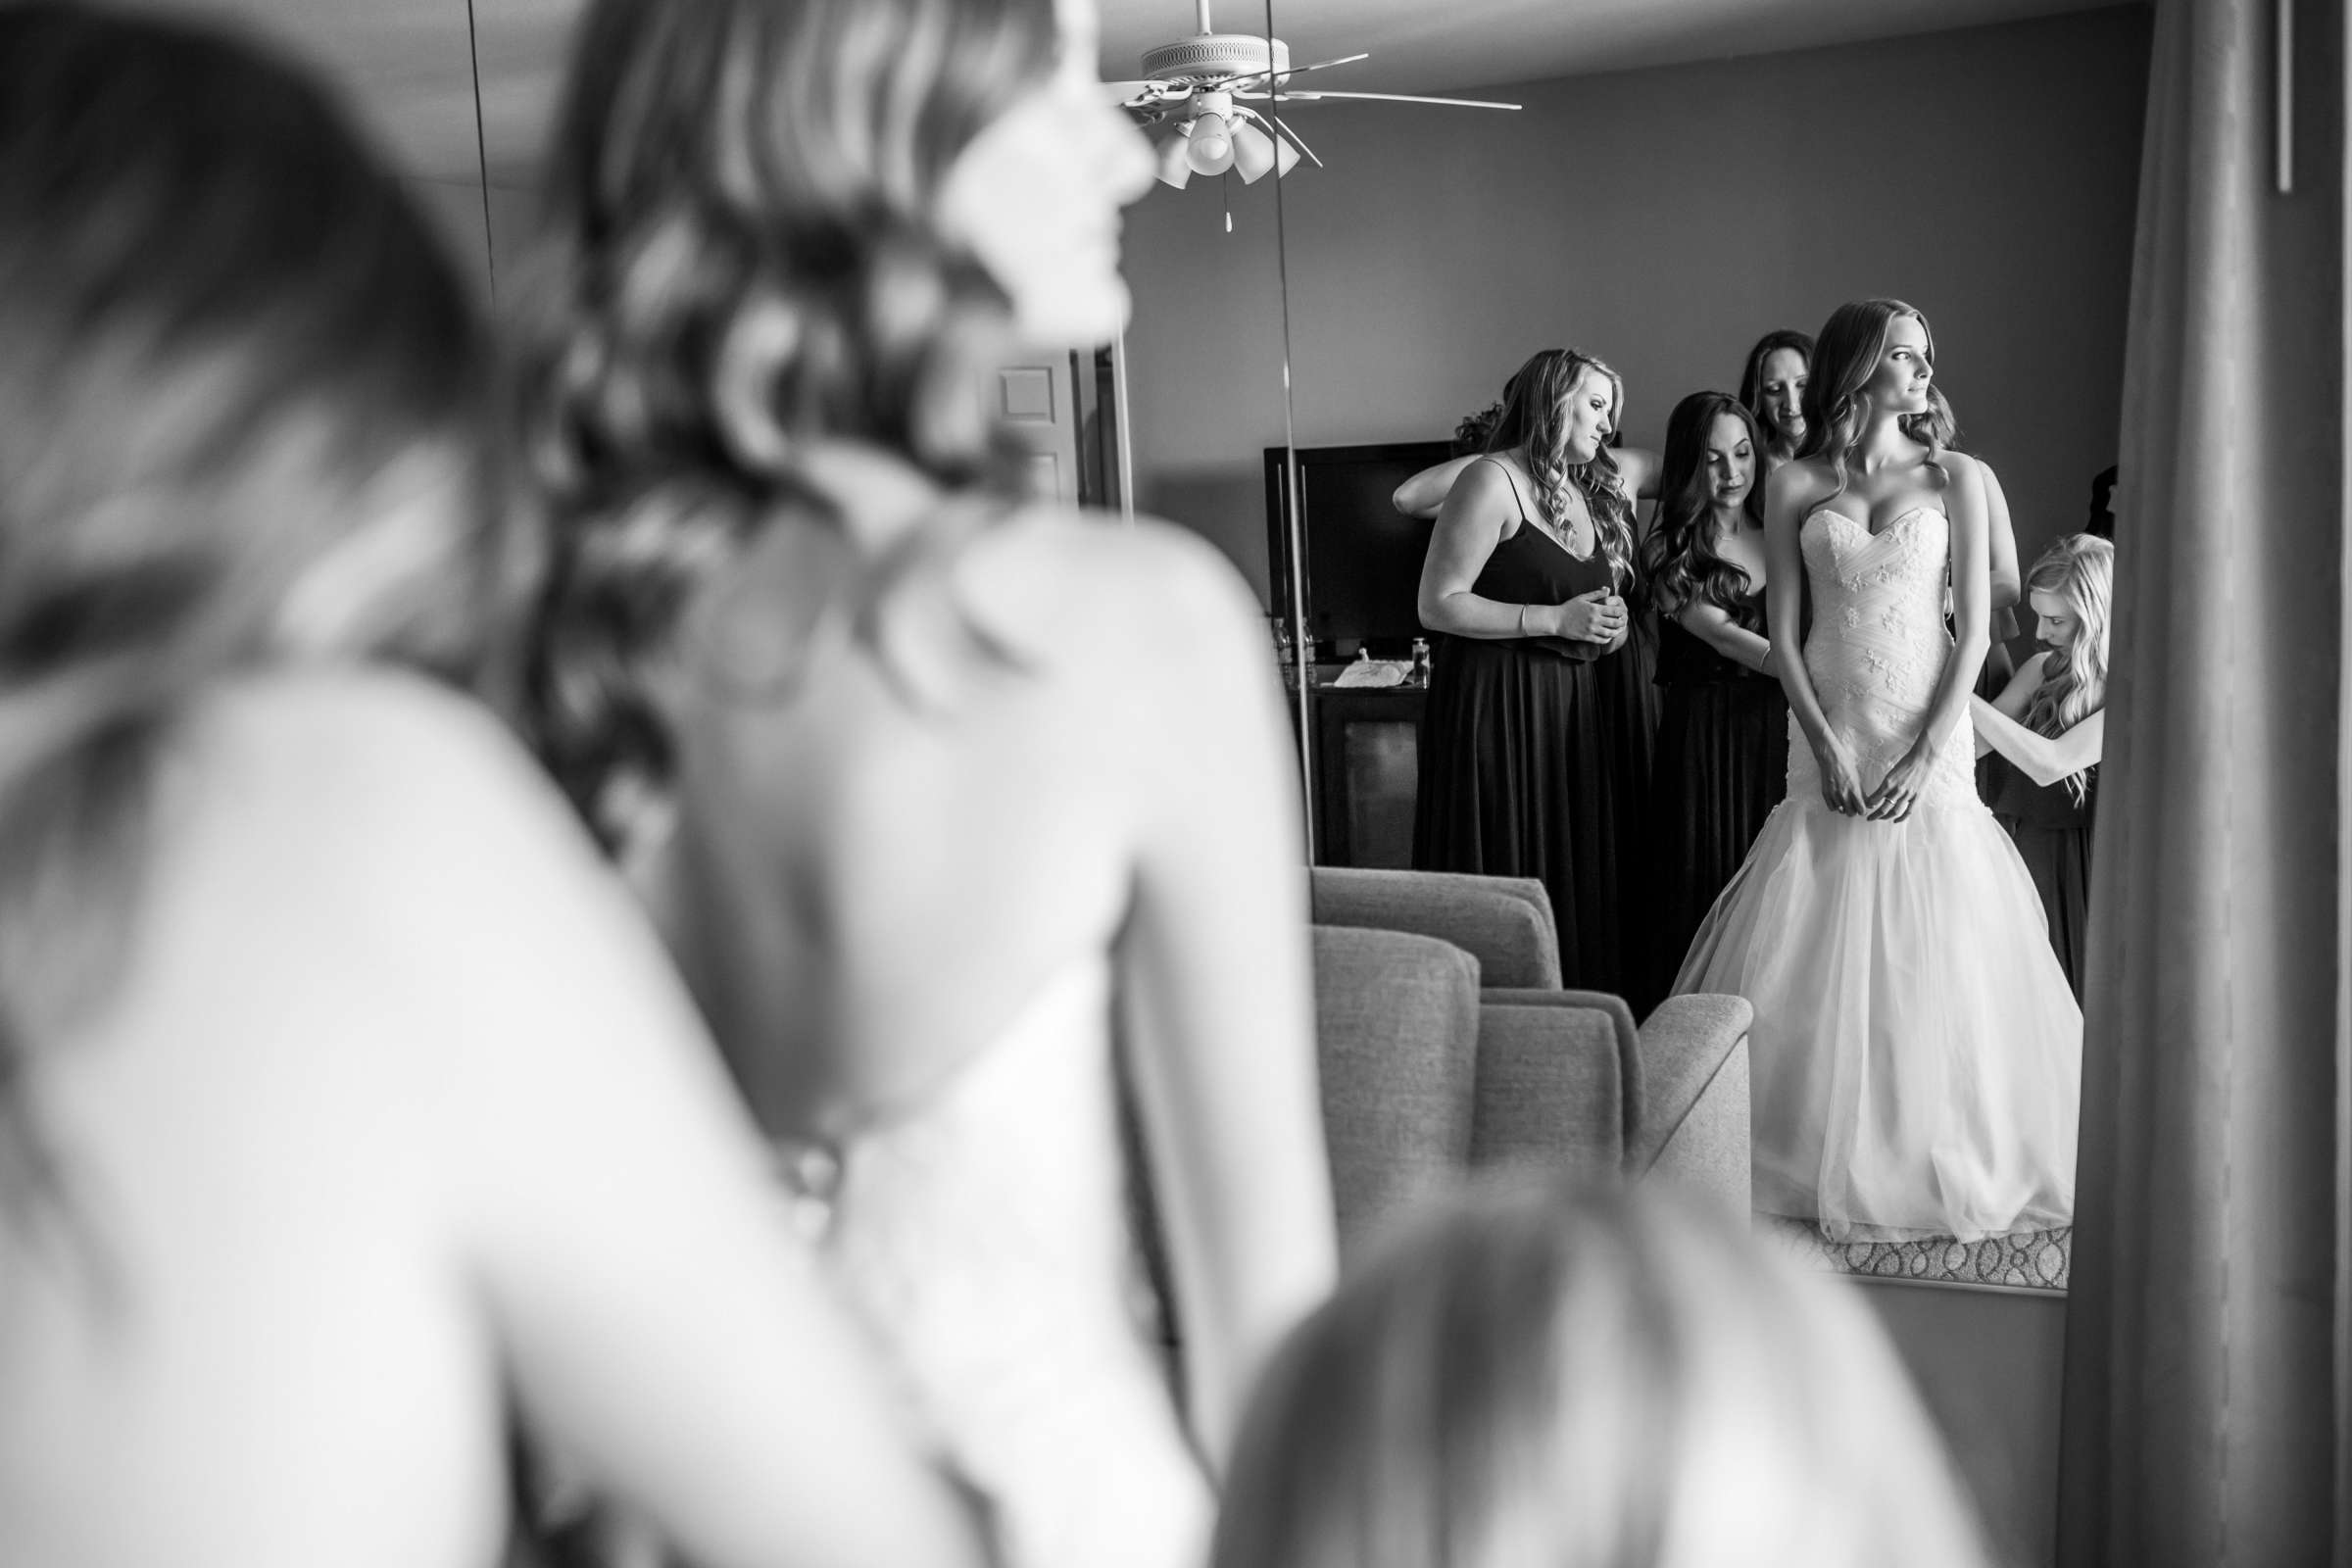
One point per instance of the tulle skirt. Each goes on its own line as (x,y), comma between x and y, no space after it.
(1916,1056)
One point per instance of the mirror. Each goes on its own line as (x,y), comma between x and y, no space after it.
(1663,207)
(1664,217)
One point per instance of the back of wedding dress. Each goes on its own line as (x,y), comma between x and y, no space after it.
(984,1238)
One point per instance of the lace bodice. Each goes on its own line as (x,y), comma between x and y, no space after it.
(983,1236)
(1878,647)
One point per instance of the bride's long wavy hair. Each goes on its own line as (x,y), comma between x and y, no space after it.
(1846,354)
(1680,559)
(1534,415)
(743,258)
(2080,570)
(231,352)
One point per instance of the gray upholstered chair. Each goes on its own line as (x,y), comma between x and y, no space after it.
(1447,1042)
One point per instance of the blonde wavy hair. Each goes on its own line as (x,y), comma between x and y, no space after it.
(1589,1377)
(2080,570)
(742,258)
(1535,414)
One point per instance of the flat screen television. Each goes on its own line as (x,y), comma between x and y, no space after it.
(1363,556)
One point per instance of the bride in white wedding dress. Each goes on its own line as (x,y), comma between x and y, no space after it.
(835,691)
(1917,1052)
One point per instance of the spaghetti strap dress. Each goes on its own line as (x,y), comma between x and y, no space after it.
(1721,765)
(1534,762)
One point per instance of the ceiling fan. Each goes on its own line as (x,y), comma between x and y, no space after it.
(1200,90)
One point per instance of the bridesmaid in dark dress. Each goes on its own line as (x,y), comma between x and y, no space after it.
(2048,729)
(1534,753)
(1771,387)
(1721,763)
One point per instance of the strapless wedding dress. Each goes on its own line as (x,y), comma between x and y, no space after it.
(983,1236)
(1916,1056)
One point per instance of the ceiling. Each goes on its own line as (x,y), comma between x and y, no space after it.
(408,64)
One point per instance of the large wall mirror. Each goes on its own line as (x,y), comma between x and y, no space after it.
(1679,182)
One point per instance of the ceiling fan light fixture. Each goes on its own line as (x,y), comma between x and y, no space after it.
(1285,157)
(1210,150)
(1253,153)
(1175,158)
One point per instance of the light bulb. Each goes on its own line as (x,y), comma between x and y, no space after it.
(1253,153)
(1174,165)
(1211,151)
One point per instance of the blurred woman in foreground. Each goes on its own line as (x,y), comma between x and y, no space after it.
(349,1116)
(1595,1378)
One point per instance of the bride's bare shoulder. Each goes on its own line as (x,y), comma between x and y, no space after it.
(1800,484)
(1147,581)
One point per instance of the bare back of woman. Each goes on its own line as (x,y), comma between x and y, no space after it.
(952,805)
(323,1022)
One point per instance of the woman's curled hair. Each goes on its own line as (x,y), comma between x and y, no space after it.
(1847,356)
(742,256)
(1680,563)
(2077,569)
(1535,416)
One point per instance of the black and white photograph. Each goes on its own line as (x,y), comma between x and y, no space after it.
(1175,784)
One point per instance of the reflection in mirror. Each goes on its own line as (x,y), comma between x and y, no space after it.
(1666,221)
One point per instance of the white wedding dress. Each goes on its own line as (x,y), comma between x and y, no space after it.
(983,1236)
(1916,1056)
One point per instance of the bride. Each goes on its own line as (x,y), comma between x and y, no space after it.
(837,695)
(1917,1050)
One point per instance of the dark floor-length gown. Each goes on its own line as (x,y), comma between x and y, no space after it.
(1534,763)
(2052,833)
(1720,765)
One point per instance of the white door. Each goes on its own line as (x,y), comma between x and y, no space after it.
(1034,397)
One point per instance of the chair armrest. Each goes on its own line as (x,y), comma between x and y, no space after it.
(1505,922)
(1695,1125)
(1551,1085)
(1606,1009)
(1396,1043)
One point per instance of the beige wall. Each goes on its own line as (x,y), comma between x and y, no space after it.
(1663,219)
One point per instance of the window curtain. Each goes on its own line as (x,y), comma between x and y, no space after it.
(2205,1415)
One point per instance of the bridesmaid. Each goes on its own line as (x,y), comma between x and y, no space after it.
(2048,729)
(1721,761)
(1534,753)
(1773,388)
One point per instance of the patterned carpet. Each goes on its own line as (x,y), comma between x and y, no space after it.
(2034,1261)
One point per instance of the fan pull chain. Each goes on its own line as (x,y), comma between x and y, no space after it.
(1225,188)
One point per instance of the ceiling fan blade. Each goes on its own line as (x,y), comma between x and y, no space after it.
(1320,65)
(1343,60)
(1394,98)
(1295,140)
